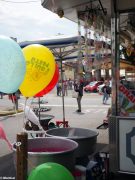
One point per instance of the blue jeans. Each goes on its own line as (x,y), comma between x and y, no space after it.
(105,97)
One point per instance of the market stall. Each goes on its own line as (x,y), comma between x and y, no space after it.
(63,49)
(113,19)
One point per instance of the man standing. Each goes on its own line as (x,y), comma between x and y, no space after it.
(59,88)
(79,88)
(65,88)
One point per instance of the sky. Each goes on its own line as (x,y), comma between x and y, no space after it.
(30,21)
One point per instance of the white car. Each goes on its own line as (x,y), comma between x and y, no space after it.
(99,88)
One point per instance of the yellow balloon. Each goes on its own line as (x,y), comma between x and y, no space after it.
(40,68)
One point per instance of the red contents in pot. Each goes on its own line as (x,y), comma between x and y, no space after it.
(47,150)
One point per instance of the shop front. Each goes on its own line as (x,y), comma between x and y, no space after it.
(111,19)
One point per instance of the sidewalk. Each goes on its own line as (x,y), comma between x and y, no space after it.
(84,120)
(7,107)
(7,161)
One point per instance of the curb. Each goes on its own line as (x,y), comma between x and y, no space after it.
(6,113)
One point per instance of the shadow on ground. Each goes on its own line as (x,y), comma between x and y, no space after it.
(7,168)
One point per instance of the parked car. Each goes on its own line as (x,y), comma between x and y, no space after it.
(92,86)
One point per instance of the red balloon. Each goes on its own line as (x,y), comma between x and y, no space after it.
(51,84)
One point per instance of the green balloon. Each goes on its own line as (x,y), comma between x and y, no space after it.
(50,171)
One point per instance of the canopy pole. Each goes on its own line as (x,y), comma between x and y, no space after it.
(63,103)
(39,108)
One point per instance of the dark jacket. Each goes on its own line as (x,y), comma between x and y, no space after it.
(79,88)
(106,89)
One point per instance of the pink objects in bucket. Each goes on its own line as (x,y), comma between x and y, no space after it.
(3,136)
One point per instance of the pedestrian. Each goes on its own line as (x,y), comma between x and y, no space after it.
(1,94)
(65,85)
(14,98)
(78,87)
(58,89)
(70,84)
(106,92)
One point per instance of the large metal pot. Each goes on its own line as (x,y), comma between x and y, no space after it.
(59,150)
(86,138)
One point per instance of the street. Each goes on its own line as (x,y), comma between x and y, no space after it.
(92,115)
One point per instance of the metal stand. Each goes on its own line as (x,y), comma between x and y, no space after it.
(63,103)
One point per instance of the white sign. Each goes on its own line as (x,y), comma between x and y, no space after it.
(127,145)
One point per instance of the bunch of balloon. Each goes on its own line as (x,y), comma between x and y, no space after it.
(12,65)
(40,69)
(51,85)
(50,171)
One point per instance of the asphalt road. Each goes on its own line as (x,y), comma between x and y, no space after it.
(92,115)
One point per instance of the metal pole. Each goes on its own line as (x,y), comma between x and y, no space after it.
(39,108)
(115,62)
(63,103)
(113,125)
(22,156)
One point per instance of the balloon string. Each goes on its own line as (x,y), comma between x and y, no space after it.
(30,105)
(13,100)
(31,102)
(16,112)
(24,117)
